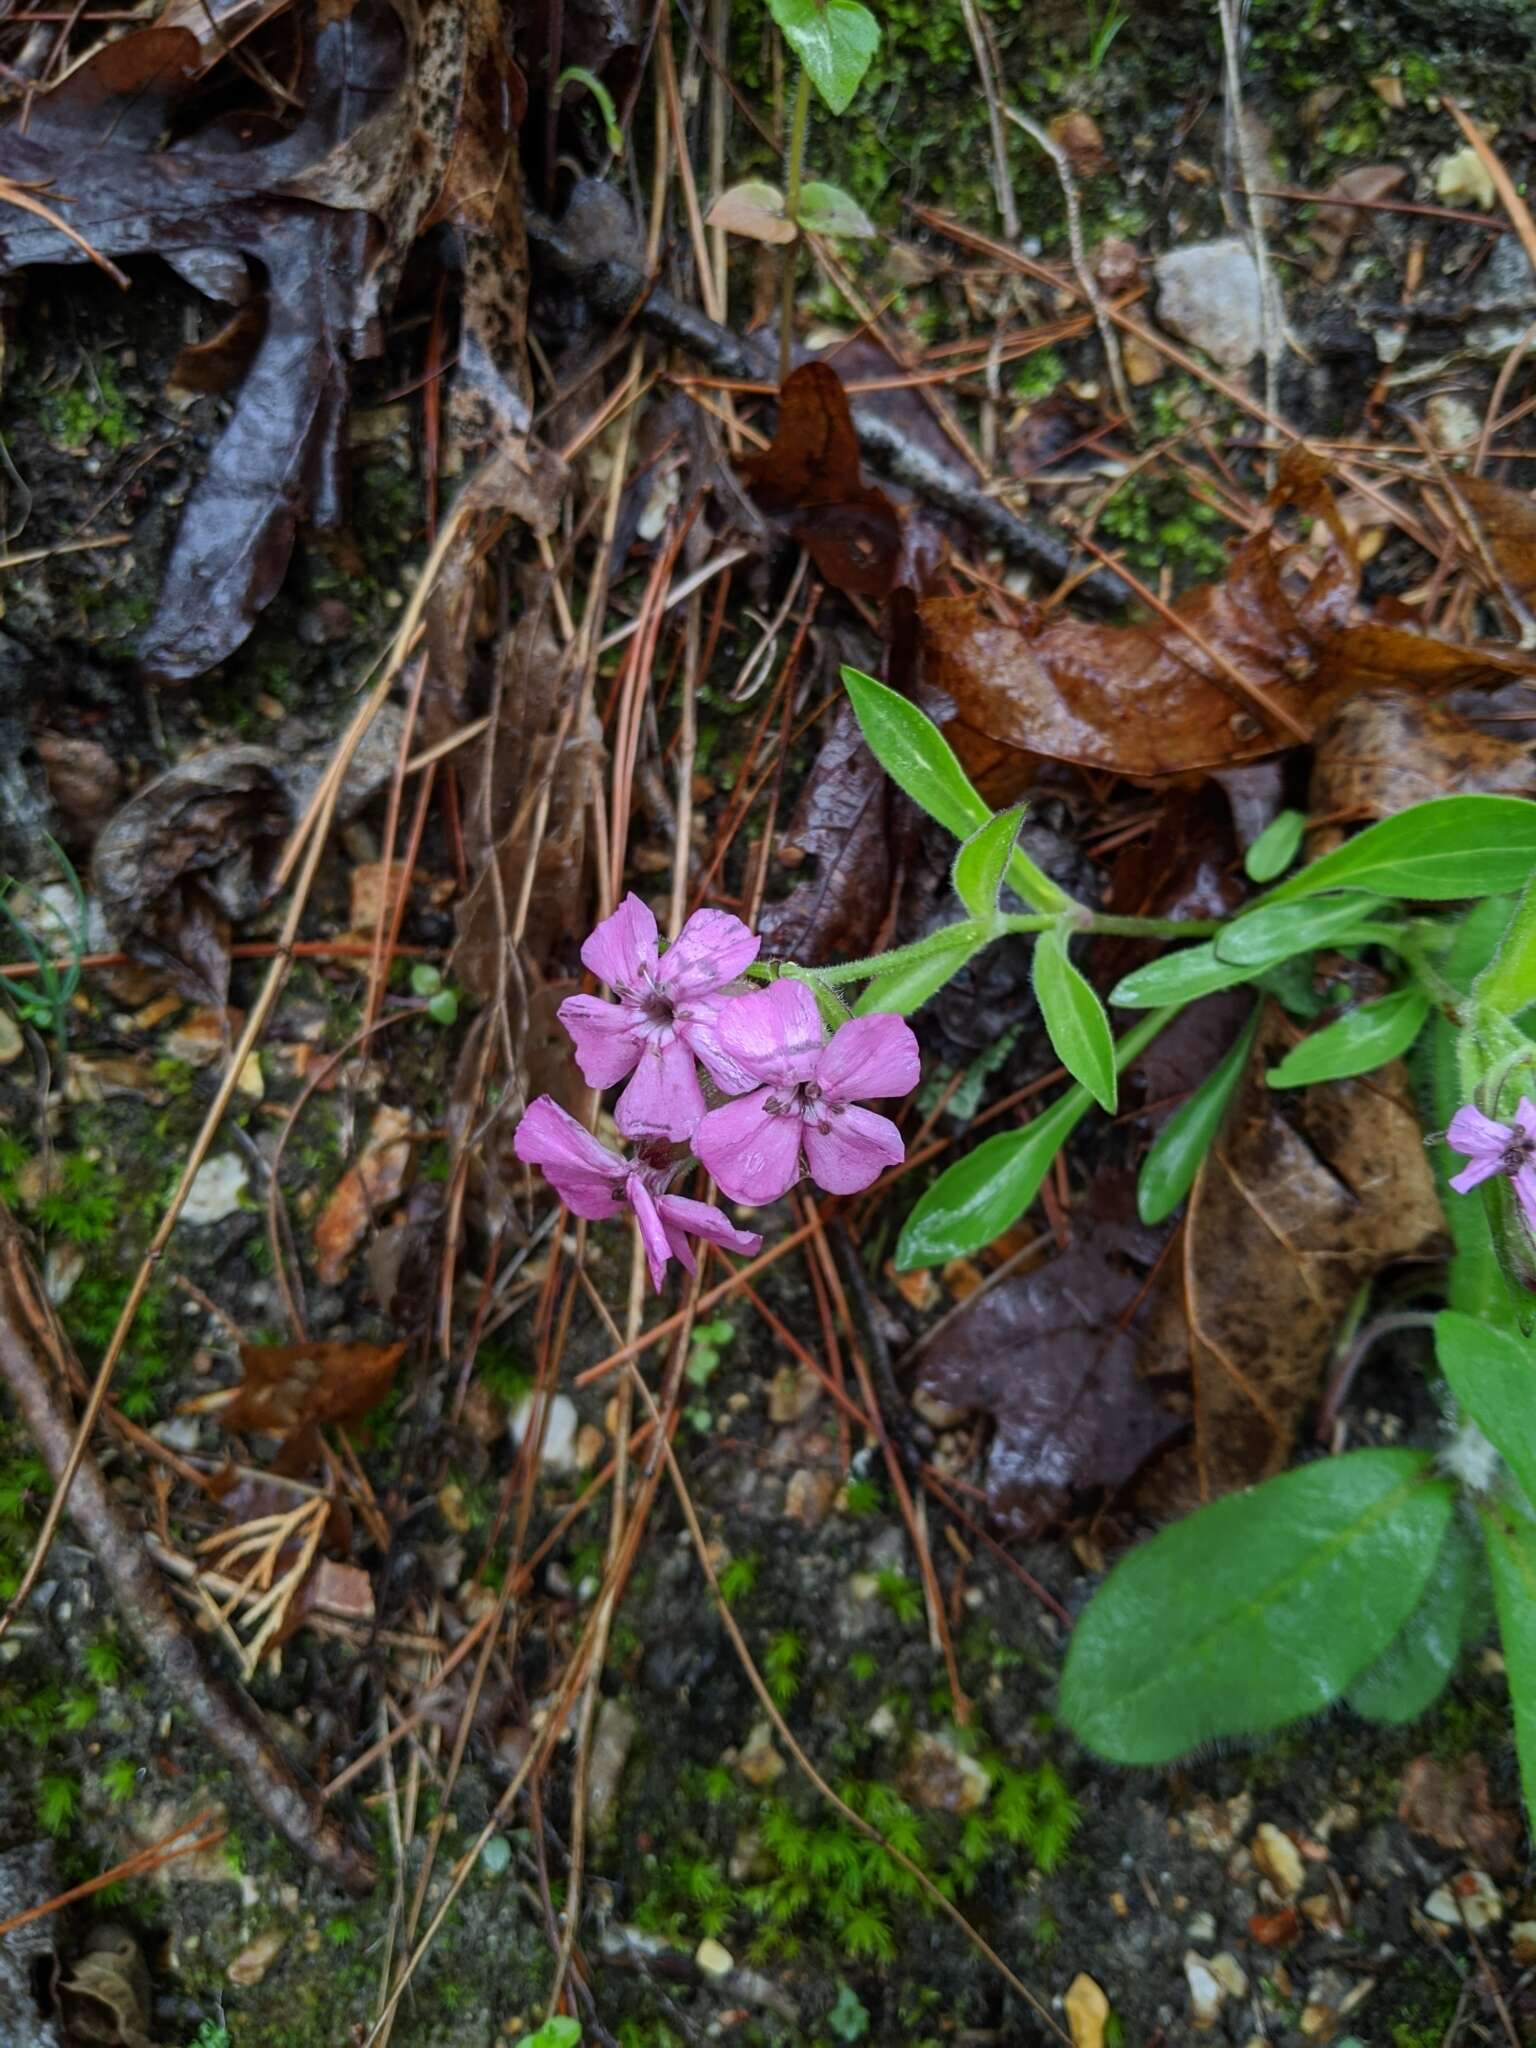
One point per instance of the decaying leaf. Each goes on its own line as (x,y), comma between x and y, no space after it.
(1384,751)
(810,478)
(755,210)
(1450,1802)
(1334,227)
(1151,700)
(1306,1195)
(1051,1355)
(856,828)
(193,853)
(1505,522)
(290,1386)
(105,1995)
(374,1179)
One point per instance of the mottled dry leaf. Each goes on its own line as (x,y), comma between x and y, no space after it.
(1450,1803)
(810,478)
(1382,752)
(1306,1195)
(375,1179)
(1506,527)
(1334,227)
(289,1386)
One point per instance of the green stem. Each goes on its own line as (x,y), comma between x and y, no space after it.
(1508,983)
(793,171)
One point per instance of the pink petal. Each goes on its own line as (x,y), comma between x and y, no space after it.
(1525,1117)
(622,949)
(1472,1176)
(604,1035)
(700,1033)
(1525,1190)
(653,1233)
(1471,1132)
(869,1056)
(853,1151)
(586,1176)
(755,1157)
(663,1099)
(711,949)
(774,1033)
(702,1219)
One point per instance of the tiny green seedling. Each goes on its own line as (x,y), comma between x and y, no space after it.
(43,1001)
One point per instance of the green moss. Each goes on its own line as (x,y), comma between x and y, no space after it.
(93,409)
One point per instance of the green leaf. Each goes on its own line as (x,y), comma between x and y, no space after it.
(1256,1610)
(918,758)
(1178,978)
(1450,847)
(756,210)
(834,39)
(829,210)
(1074,1020)
(555,2033)
(990,1188)
(907,987)
(1277,930)
(1412,1671)
(1169,1169)
(1511,1544)
(1492,1373)
(1276,846)
(982,862)
(1355,1043)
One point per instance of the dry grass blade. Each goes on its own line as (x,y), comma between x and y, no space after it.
(1509,194)
(25,198)
(189,1839)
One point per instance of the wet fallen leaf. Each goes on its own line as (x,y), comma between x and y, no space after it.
(288,1386)
(374,1180)
(1304,1197)
(1383,751)
(1506,528)
(105,1996)
(192,854)
(1450,1803)
(811,480)
(856,829)
(1051,1355)
(1150,700)
(1333,228)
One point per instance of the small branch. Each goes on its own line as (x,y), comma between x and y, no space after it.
(621,291)
(225,1716)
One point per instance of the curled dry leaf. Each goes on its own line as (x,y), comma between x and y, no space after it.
(1385,751)
(1078,137)
(1150,700)
(1334,227)
(1306,1195)
(105,1996)
(374,1179)
(1051,1356)
(192,854)
(288,1387)
(755,210)
(811,480)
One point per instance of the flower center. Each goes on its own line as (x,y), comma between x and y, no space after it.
(805,1100)
(1517,1153)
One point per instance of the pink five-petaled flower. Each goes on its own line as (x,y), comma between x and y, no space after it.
(594,1182)
(1493,1148)
(665,1015)
(805,1097)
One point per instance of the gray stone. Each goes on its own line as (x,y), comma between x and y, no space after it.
(1208,295)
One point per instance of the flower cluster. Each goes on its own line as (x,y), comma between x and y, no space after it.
(1495,1148)
(681,1032)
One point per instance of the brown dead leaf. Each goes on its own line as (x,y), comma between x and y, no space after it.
(1334,227)
(1450,1803)
(1078,137)
(811,479)
(1151,701)
(375,1179)
(1384,751)
(288,1387)
(1506,529)
(1306,1194)
(755,210)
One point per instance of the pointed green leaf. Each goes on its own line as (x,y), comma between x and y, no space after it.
(1277,930)
(982,862)
(829,210)
(1492,1373)
(1074,1020)
(1256,1610)
(1178,978)
(1412,1671)
(989,1189)
(1276,846)
(834,39)
(1356,1043)
(1450,847)
(1169,1169)
(1510,1538)
(907,987)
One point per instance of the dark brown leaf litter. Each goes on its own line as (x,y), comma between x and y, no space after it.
(1451,1803)
(1385,750)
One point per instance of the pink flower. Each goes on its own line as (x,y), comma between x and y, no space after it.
(665,1015)
(805,1097)
(594,1182)
(1493,1148)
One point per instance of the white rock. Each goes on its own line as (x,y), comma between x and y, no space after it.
(1471,1900)
(1208,294)
(713,1958)
(215,1192)
(1201,1928)
(1207,1994)
(1230,1974)
(1465,180)
(1279,1859)
(560,1433)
